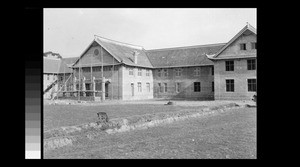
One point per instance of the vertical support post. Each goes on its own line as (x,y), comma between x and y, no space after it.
(83,87)
(102,78)
(74,86)
(94,87)
(65,86)
(79,82)
(103,88)
(112,76)
(91,93)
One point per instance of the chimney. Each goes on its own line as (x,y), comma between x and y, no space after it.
(135,54)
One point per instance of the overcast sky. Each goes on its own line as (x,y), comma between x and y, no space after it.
(70,31)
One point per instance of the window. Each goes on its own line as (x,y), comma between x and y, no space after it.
(213,86)
(86,69)
(166,87)
(148,87)
(130,71)
(87,86)
(166,72)
(96,69)
(139,72)
(197,87)
(177,87)
(159,73)
(178,71)
(212,70)
(253,45)
(229,85)
(251,64)
(107,68)
(243,46)
(251,85)
(139,87)
(197,71)
(147,72)
(160,88)
(96,52)
(116,68)
(229,65)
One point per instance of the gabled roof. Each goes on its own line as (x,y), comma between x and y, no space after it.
(122,52)
(70,60)
(183,56)
(125,51)
(248,27)
(55,66)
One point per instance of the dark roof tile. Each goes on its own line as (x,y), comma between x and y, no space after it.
(183,56)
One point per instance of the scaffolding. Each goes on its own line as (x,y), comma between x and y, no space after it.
(77,89)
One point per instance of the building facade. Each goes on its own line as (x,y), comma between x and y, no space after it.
(235,67)
(109,69)
(127,73)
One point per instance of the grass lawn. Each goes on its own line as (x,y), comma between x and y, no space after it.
(231,134)
(67,115)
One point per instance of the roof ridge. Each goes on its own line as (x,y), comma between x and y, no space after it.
(186,47)
(120,43)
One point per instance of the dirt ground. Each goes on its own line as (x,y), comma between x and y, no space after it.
(231,134)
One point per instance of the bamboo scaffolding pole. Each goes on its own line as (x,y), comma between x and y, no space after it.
(64,75)
(91,76)
(112,74)
(62,87)
(102,88)
(79,82)
(57,72)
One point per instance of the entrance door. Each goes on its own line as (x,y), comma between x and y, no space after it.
(132,89)
(106,89)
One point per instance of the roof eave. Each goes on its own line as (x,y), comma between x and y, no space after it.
(226,58)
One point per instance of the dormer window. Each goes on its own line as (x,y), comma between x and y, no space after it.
(243,46)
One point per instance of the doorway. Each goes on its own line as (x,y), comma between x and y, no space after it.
(106,89)
(132,89)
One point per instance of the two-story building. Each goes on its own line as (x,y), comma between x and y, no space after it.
(109,69)
(113,70)
(235,67)
(184,72)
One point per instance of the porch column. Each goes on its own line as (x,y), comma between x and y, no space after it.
(94,87)
(83,87)
(103,88)
(74,87)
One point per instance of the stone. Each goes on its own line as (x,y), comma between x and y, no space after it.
(102,116)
